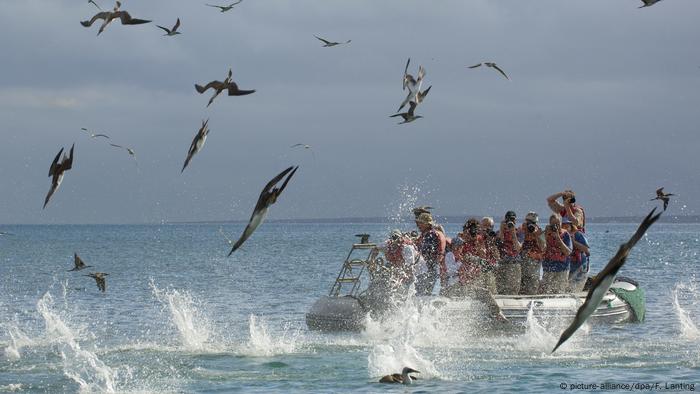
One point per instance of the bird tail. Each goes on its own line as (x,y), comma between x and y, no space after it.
(199,88)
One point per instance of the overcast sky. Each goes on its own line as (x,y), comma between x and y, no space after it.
(604,98)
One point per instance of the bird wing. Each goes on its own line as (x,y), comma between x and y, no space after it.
(193,147)
(411,108)
(128,20)
(99,15)
(500,71)
(405,73)
(164,28)
(54,163)
(405,101)
(421,95)
(284,185)
(295,145)
(96,5)
(232,4)
(475,66)
(660,192)
(68,163)
(255,220)
(217,85)
(325,41)
(601,283)
(215,6)
(101,135)
(233,90)
(177,25)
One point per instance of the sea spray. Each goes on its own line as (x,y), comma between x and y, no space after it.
(262,344)
(192,326)
(686,294)
(536,336)
(18,340)
(82,366)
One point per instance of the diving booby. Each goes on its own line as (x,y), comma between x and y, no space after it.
(408,116)
(57,170)
(492,65)
(649,3)
(327,43)
(225,8)
(268,196)
(173,31)
(219,87)
(109,16)
(601,282)
(409,81)
(402,377)
(197,143)
(660,195)
(100,280)
(79,263)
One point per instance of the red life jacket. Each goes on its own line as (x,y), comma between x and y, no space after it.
(582,227)
(552,251)
(531,248)
(508,247)
(394,251)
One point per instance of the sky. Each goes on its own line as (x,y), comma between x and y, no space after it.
(604,99)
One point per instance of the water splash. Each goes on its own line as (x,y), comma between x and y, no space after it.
(409,197)
(192,326)
(262,344)
(689,294)
(536,336)
(18,340)
(81,365)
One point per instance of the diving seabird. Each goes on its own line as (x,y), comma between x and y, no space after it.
(364,238)
(109,16)
(492,65)
(268,196)
(408,116)
(409,81)
(57,170)
(79,263)
(402,377)
(173,31)
(660,195)
(220,86)
(225,8)
(649,3)
(601,282)
(197,143)
(416,97)
(95,4)
(93,135)
(99,279)
(327,43)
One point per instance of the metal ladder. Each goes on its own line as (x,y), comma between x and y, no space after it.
(351,273)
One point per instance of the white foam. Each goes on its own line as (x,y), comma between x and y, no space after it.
(192,326)
(688,328)
(81,365)
(536,336)
(262,344)
(18,340)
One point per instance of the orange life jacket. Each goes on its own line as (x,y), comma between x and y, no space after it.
(531,248)
(394,251)
(582,227)
(552,251)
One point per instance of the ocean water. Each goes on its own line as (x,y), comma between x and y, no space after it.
(179,316)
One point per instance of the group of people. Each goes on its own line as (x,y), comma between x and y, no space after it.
(482,261)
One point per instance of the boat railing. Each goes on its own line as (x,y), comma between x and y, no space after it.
(349,280)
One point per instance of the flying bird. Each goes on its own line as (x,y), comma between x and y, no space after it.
(79,263)
(173,31)
(413,84)
(268,196)
(129,150)
(302,145)
(225,8)
(93,135)
(95,4)
(99,279)
(219,87)
(660,195)
(197,143)
(649,3)
(416,97)
(57,170)
(402,377)
(408,116)
(109,16)
(327,43)
(492,65)
(601,283)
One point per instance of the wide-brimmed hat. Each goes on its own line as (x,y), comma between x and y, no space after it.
(532,217)
(396,234)
(424,218)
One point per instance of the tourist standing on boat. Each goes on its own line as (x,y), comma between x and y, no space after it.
(493,254)
(531,254)
(568,209)
(401,257)
(578,261)
(431,246)
(555,267)
(508,273)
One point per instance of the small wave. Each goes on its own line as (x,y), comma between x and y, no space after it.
(262,344)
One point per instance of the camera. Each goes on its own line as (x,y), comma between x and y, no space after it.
(531,227)
(472,230)
(553,227)
(510,224)
(491,233)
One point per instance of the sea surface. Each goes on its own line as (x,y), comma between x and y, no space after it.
(179,316)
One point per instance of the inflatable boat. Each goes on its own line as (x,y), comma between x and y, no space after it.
(353,299)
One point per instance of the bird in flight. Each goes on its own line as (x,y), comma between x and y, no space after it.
(492,65)
(413,84)
(79,263)
(129,150)
(302,145)
(408,116)
(100,280)
(660,195)
(93,135)
(109,16)
(649,3)
(601,282)
(57,170)
(219,87)
(95,4)
(225,8)
(268,196)
(173,31)
(403,377)
(197,143)
(327,43)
